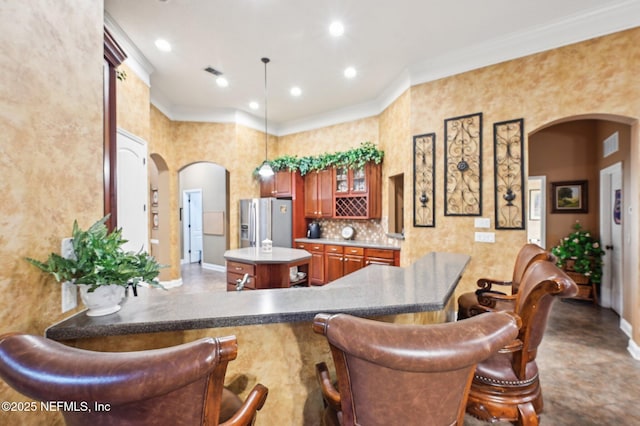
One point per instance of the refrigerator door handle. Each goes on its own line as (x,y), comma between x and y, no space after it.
(252,225)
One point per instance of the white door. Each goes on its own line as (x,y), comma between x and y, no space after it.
(611,199)
(192,225)
(132,191)
(536,209)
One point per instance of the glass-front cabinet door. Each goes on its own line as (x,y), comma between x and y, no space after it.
(359,180)
(342,180)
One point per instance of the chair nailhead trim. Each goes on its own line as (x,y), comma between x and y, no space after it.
(507,382)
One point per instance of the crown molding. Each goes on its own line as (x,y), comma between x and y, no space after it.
(589,24)
(135,59)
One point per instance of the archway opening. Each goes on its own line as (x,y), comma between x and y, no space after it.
(204,203)
(577,149)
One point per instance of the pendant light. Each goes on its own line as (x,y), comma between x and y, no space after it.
(265,170)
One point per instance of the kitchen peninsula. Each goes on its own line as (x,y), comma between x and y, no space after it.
(266,269)
(276,344)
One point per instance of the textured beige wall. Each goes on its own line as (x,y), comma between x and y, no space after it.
(133,109)
(395,131)
(339,137)
(51,154)
(161,151)
(597,76)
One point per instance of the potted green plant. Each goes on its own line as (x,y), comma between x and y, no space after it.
(100,266)
(580,252)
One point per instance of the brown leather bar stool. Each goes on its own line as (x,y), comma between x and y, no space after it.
(506,386)
(397,374)
(180,385)
(487,298)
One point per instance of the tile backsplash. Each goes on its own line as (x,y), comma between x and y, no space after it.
(372,230)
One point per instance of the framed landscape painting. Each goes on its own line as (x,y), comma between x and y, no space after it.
(569,197)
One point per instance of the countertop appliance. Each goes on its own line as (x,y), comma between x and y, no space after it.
(265,218)
(313,230)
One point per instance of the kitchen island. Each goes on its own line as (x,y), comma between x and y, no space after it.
(266,269)
(276,345)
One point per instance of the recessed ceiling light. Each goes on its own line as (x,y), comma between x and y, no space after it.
(163,45)
(336,29)
(254,105)
(222,82)
(296,91)
(350,72)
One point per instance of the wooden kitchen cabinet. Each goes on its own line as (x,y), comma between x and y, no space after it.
(283,184)
(341,260)
(318,195)
(289,185)
(332,261)
(316,266)
(381,257)
(357,193)
(266,275)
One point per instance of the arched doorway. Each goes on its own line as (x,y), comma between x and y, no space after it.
(211,182)
(574,149)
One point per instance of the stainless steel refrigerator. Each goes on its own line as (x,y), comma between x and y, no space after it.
(262,218)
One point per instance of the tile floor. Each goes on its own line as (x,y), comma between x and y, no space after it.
(587,375)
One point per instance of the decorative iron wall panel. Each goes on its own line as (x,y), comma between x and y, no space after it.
(508,174)
(424,154)
(463,165)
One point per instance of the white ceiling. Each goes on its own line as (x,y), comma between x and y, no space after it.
(392,44)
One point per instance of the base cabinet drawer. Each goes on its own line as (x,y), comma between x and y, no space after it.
(240,268)
(374,256)
(232,281)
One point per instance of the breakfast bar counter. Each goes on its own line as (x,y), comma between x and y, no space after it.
(426,285)
(276,344)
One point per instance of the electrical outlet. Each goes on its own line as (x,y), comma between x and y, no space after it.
(66,248)
(68,290)
(486,237)
(69,296)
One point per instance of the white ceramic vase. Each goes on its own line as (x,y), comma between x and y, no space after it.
(104,300)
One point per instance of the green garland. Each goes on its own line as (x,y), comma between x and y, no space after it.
(354,159)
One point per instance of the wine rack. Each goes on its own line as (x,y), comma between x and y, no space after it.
(354,207)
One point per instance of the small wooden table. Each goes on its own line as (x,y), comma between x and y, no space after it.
(266,270)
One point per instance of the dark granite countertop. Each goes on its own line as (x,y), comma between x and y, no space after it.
(352,243)
(426,285)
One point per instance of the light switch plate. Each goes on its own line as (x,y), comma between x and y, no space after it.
(482,222)
(69,296)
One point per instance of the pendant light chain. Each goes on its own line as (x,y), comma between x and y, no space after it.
(265,170)
(266,135)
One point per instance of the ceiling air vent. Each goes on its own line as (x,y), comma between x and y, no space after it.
(610,145)
(213,71)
